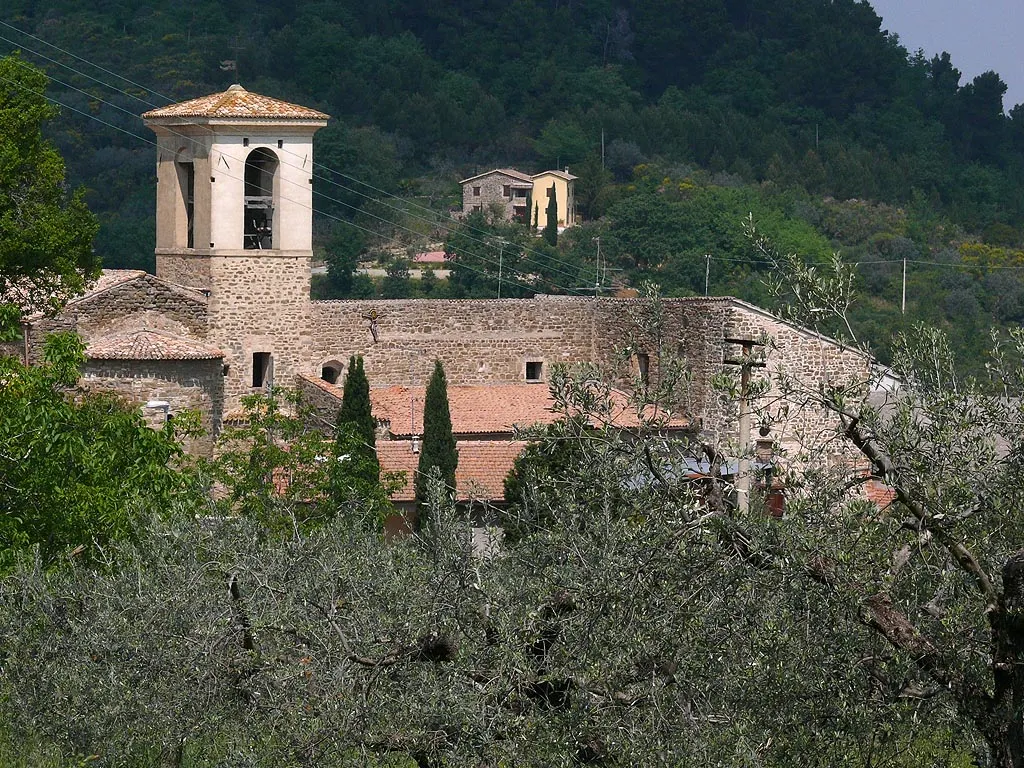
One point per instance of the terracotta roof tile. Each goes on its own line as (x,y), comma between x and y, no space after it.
(236,102)
(488,409)
(560,174)
(483,466)
(150,344)
(474,409)
(430,257)
(880,493)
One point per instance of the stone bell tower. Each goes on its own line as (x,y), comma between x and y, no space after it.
(234,218)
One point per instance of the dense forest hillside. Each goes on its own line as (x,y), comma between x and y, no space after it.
(679,119)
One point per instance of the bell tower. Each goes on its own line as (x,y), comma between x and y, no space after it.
(234,218)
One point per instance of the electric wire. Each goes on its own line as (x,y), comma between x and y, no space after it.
(524,284)
(435,217)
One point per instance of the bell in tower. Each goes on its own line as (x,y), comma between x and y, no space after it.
(234,219)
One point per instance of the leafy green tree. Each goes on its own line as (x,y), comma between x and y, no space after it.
(550,233)
(77,469)
(46,253)
(438,447)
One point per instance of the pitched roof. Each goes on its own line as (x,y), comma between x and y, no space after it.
(150,344)
(475,409)
(490,409)
(560,174)
(236,102)
(510,172)
(483,466)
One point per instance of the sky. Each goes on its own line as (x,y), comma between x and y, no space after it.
(979,34)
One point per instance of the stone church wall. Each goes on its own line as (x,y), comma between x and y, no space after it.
(261,304)
(195,385)
(480,341)
(141,303)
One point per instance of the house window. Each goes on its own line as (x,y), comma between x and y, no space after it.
(262,369)
(519,193)
(478,207)
(506,191)
(643,367)
(476,191)
(551,191)
(534,370)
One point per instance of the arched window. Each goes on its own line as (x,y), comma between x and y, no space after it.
(185,168)
(260,197)
(331,371)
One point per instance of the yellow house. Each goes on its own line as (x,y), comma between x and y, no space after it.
(562,184)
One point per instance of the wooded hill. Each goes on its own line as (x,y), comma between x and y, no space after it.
(801,111)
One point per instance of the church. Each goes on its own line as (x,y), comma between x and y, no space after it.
(228,312)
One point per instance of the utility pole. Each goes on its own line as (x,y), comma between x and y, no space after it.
(903,303)
(746,362)
(501,253)
(597,267)
(707,272)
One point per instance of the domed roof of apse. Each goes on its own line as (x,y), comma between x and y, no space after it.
(236,102)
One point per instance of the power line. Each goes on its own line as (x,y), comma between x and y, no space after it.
(236,178)
(435,219)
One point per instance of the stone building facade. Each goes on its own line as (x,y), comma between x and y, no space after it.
(229,310)
(503,192)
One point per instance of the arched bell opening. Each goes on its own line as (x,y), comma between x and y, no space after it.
(261,182)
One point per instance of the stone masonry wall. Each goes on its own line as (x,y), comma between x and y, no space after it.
(492,194)
(145,302)
(186,384)
(260,304)
(804,359)
(479,341)
(184,268)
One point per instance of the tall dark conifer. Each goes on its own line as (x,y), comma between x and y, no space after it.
(356,425)
(551,225)
(438,448)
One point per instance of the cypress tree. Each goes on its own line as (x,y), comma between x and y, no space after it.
(356,425)
(438,449)
(551,225)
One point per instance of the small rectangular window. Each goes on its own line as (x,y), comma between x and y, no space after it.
(478,207)
(261,369)
(507,190)
(476,191)
(245,142)
(551,192)
(534,370)
(280,143)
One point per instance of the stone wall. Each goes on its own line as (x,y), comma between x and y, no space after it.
(145,302)
(479,341)
(195,385)
(490,341)
(260,304)
(799,363)
(492,195)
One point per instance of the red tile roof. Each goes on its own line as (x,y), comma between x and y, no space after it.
(430,257)
(880,493)
(150,344)
(239,103)
(481,409)
(489,409)
(510,172)
(480,475)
